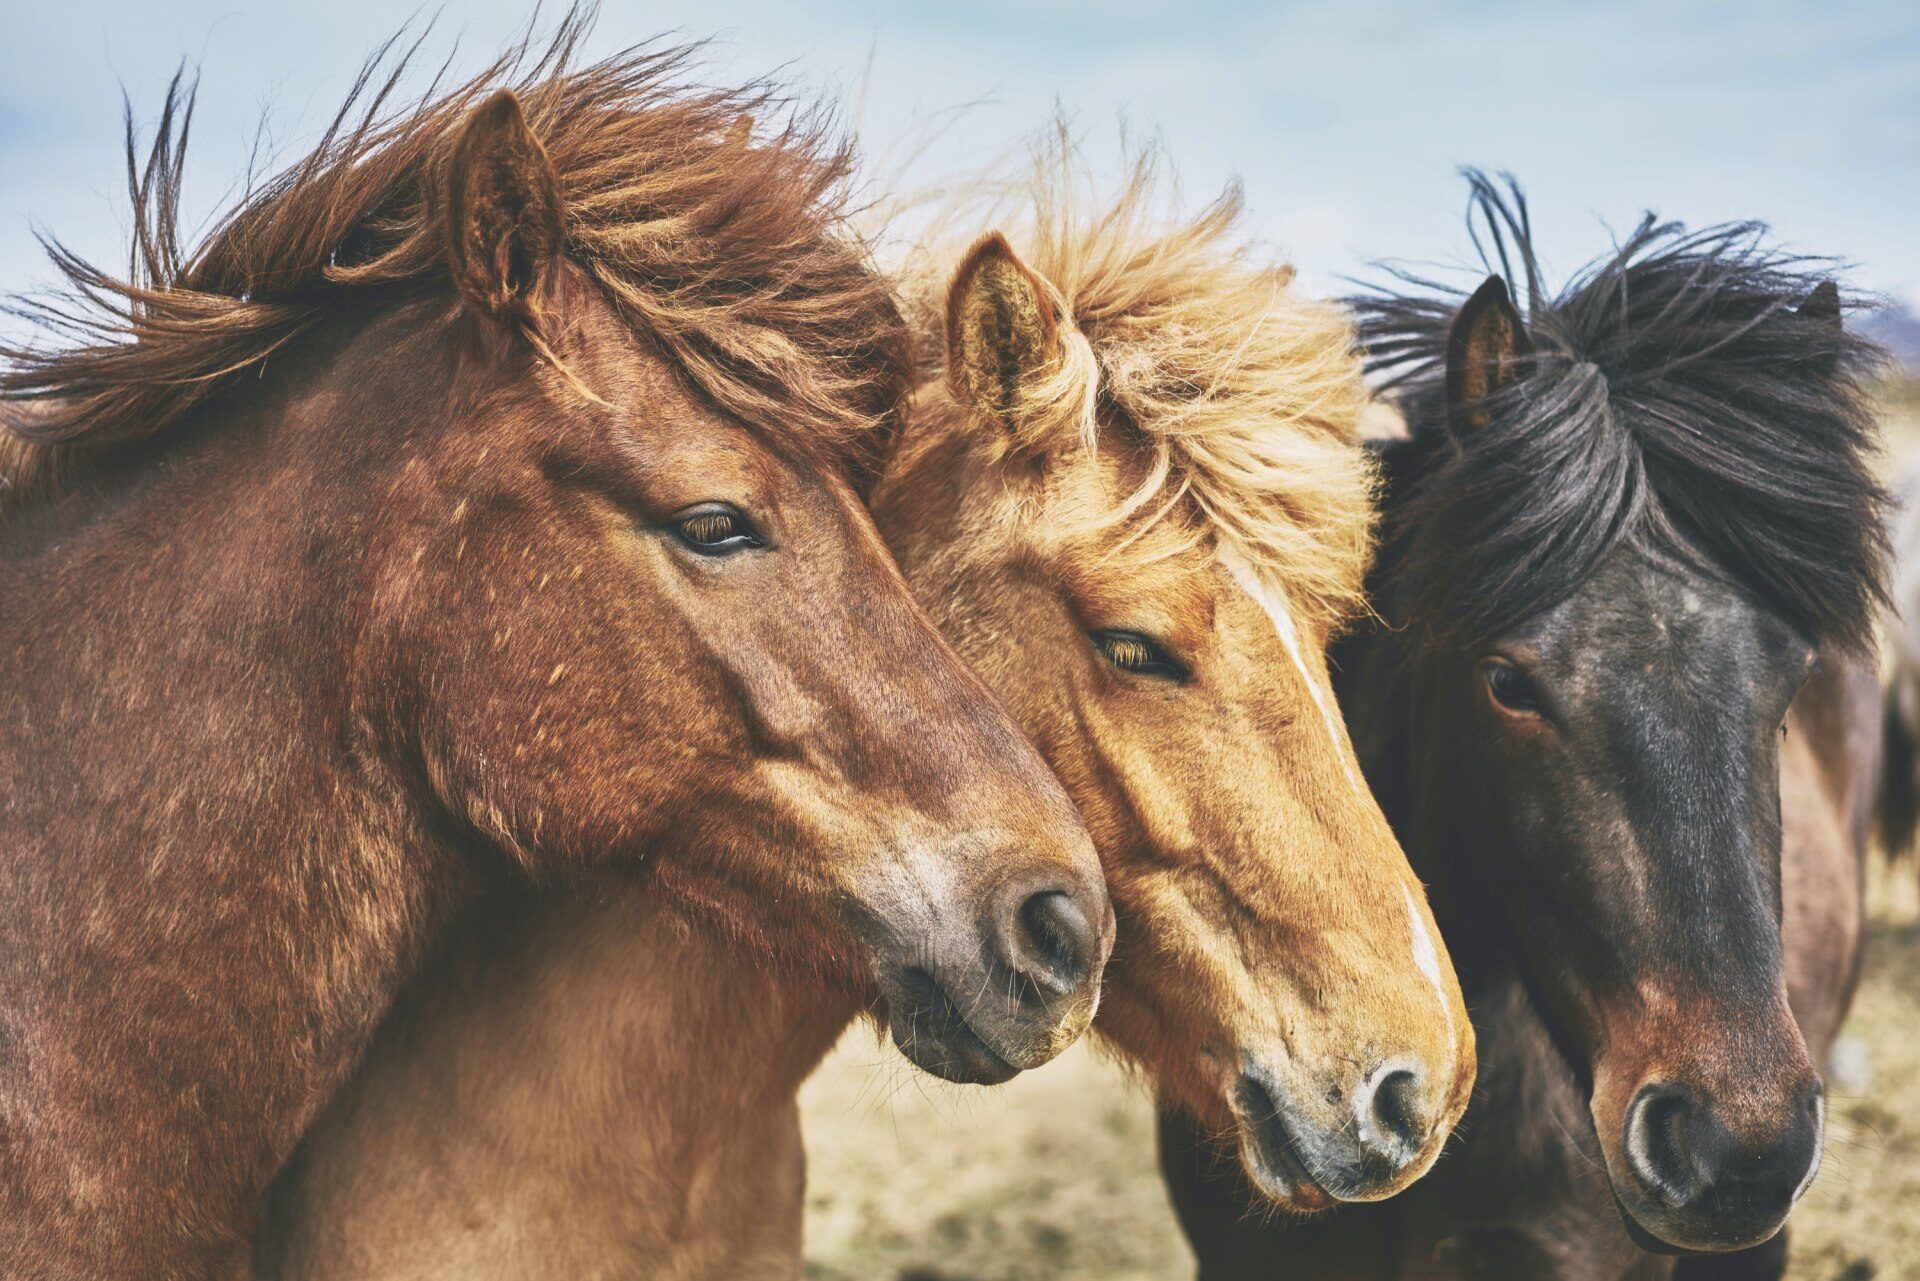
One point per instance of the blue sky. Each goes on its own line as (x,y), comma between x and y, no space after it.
(1346,121)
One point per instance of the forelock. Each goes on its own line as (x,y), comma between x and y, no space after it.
(720,240)
(1236,399)
(1676,400)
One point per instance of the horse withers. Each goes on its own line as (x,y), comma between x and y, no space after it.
(473,506)
(1134,499)
(1621,710)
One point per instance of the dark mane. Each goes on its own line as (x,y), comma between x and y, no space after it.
(721,243)
(1677,401)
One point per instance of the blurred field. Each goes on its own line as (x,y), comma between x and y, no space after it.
(1052,1178)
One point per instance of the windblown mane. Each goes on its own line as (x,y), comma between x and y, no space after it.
(724,248)
(1242,397)
(1676,401)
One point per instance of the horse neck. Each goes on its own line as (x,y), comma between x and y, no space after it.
(212,888)
(585,1074)
(1514,1148)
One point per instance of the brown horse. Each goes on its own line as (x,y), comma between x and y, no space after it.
(1899,813)
(1624,713)
(1136,504)
(471,508)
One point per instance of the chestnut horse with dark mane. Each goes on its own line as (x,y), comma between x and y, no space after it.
(475,506)
(1623,711)
(1135,498)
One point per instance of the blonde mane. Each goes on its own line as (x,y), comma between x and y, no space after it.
(1241,398)
(722,243)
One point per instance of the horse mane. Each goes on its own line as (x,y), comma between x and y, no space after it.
(719,242)
(1241,397)
(1676,401)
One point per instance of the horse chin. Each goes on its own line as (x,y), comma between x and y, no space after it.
(959,1056)
(1283,1182)
(929,1029)
(1662,1240)
(1275,1166)
(1658,1229)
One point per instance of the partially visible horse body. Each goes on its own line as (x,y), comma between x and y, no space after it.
(1623,712)
(473,507)
(1899,812)
(1134,499)
(581,1085)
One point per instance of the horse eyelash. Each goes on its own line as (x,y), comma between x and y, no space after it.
(709,526)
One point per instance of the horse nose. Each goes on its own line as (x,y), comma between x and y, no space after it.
(1359,1151)
(1391,1120)
(1047,940)
(1683,1152)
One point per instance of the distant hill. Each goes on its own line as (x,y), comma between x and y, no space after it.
(1898,330)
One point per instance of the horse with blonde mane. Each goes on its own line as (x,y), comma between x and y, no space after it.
(474,507)
(1133,498)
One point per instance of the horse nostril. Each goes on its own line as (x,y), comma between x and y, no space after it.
(1658,1144)
(1388,1109)
(1053,942)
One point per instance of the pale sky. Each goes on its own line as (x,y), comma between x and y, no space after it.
(1346,121)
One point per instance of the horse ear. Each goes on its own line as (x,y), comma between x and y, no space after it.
(1823,304)
(1002,331)
(506,221)
(1487,348)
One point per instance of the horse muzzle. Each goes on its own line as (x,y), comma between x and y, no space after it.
(1008,991)
(1383,1131)
(1693,1186)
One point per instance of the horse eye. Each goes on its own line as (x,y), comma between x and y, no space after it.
(1510,687)
(714,529)
(1132,652)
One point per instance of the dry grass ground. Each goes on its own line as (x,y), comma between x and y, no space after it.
(1052,1178)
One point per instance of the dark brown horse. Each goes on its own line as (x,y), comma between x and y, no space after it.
(472,506)
(1623,716)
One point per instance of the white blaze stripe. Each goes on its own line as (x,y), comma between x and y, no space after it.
(1274,605)
(1427,957)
